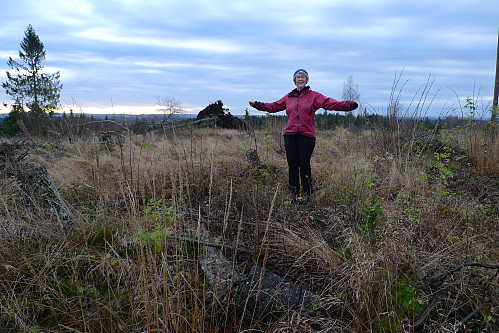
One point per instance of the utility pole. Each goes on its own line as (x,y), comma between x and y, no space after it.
(496,86)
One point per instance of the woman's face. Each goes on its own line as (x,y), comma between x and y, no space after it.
(300,81)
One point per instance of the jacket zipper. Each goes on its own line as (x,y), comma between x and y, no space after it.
(298,115)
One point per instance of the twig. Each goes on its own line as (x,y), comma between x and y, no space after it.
(436,281)
(104,121)
(171,127)
(468,317)
(426,312)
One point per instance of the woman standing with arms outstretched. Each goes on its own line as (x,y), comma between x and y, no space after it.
(299,134)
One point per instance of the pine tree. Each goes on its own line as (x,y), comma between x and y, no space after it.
(28,86)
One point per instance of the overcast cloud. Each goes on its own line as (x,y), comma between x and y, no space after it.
(120,56)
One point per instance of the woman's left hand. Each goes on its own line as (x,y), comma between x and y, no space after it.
(353,105)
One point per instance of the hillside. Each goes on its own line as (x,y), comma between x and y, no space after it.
(401,234)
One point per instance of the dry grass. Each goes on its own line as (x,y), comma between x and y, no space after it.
(123,268)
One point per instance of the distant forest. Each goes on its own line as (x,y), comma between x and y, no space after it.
(139,124)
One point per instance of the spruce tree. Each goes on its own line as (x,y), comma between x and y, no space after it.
(28,86)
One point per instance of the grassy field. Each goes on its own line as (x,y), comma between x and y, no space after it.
(395,213)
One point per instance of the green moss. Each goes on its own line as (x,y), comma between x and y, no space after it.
(406,297)
(345,252)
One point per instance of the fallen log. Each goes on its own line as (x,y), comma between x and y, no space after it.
(265,297)
(262,296)
(220,273)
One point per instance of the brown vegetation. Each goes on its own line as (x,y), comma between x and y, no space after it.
(391,209)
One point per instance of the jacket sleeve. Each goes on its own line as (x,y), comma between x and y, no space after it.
(271,107)
(328,103)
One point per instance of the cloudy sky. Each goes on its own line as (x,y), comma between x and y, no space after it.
(119,56)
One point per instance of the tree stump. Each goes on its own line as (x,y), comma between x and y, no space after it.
(37,182)
(253,158)
(107,138)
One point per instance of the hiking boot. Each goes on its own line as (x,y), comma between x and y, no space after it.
(304,199)
(291,199)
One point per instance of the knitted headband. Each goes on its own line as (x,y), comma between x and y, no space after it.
(298,71)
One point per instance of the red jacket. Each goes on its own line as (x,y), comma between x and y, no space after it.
(300,107)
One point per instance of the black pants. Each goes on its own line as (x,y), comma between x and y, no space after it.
(299,149)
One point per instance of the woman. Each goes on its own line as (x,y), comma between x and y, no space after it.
(299,134)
